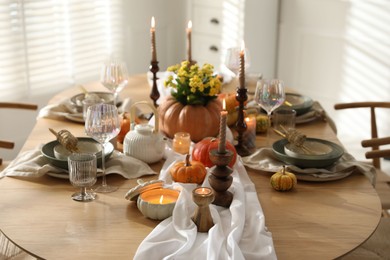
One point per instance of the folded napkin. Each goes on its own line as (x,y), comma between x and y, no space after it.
(264,160)
(33,164)
(65,108)
(239,232)
(58,111)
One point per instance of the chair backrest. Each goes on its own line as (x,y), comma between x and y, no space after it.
(374,130)
(14,105)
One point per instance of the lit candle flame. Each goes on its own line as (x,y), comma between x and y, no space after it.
(153,23)
(161,199)
(189,26)
(242,46)
(224,104)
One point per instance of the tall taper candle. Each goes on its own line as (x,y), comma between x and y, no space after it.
(153,38)
(242,65)
(189,30)
(222,130)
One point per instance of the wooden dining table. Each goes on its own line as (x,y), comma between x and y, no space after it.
(316,220)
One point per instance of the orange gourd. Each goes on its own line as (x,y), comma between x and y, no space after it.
(188,171)
(283,180)
(197,120)
(201,151)
(125,127)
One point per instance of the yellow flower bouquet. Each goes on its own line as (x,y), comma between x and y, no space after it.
(193,85)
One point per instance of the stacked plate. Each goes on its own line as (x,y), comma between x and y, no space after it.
(318,153)
(58,155)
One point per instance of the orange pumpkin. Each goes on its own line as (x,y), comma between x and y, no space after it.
(188,172)
(197,120)
(125,127)
(202,149)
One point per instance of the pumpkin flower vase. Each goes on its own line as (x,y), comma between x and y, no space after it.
(193,106)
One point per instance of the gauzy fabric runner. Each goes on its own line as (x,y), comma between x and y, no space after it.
(239,232)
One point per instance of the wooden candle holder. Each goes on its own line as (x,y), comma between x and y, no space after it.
(154,94)
(220,179)
(241,97)
(202,217)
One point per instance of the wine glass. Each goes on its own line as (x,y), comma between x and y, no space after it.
(269,95)
(114,77)
(102,124)
(232,60)
(82,174)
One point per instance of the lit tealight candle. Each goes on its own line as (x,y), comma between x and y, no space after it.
(189,30)
(153,39)
(202,191)
(181,143)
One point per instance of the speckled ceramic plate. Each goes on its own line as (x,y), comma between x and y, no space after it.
(307,162)
(48,151)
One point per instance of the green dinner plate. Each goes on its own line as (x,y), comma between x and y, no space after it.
(48,151)
(306,162)
(301,104)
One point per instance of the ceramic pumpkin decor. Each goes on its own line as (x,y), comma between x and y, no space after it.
(188,171)
(201,151)
(193,106)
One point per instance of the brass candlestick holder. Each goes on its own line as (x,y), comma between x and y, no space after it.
(154,94)
(241,97)
(203,197)
(220,179)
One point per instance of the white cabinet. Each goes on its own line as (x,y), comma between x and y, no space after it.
(221,24)
(207,21)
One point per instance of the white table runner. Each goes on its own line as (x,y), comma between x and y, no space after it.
(239,232)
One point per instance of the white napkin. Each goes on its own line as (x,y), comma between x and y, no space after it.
(65,108)
(58,111)
(161,77)
(264,160)
(33,164)
(239,232)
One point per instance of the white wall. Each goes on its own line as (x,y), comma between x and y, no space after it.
(338,51)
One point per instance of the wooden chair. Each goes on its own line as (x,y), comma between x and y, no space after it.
(377,246)
(374,130)
(13,105)
(9,250)
(382,180)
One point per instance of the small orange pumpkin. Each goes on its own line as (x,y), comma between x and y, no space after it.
(283,180)
(188,171)
(125,127)
(202,149)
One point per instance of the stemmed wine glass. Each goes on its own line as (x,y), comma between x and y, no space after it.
(114,77)
(232,59)
(82,174)
(269,95)
(102,124)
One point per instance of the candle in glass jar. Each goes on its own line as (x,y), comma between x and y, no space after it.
(153,39)
(181,143)
(189,31)
(249,136)
(222,129)
(242,66)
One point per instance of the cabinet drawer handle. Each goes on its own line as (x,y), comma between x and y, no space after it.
(213,48)
(214,20)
